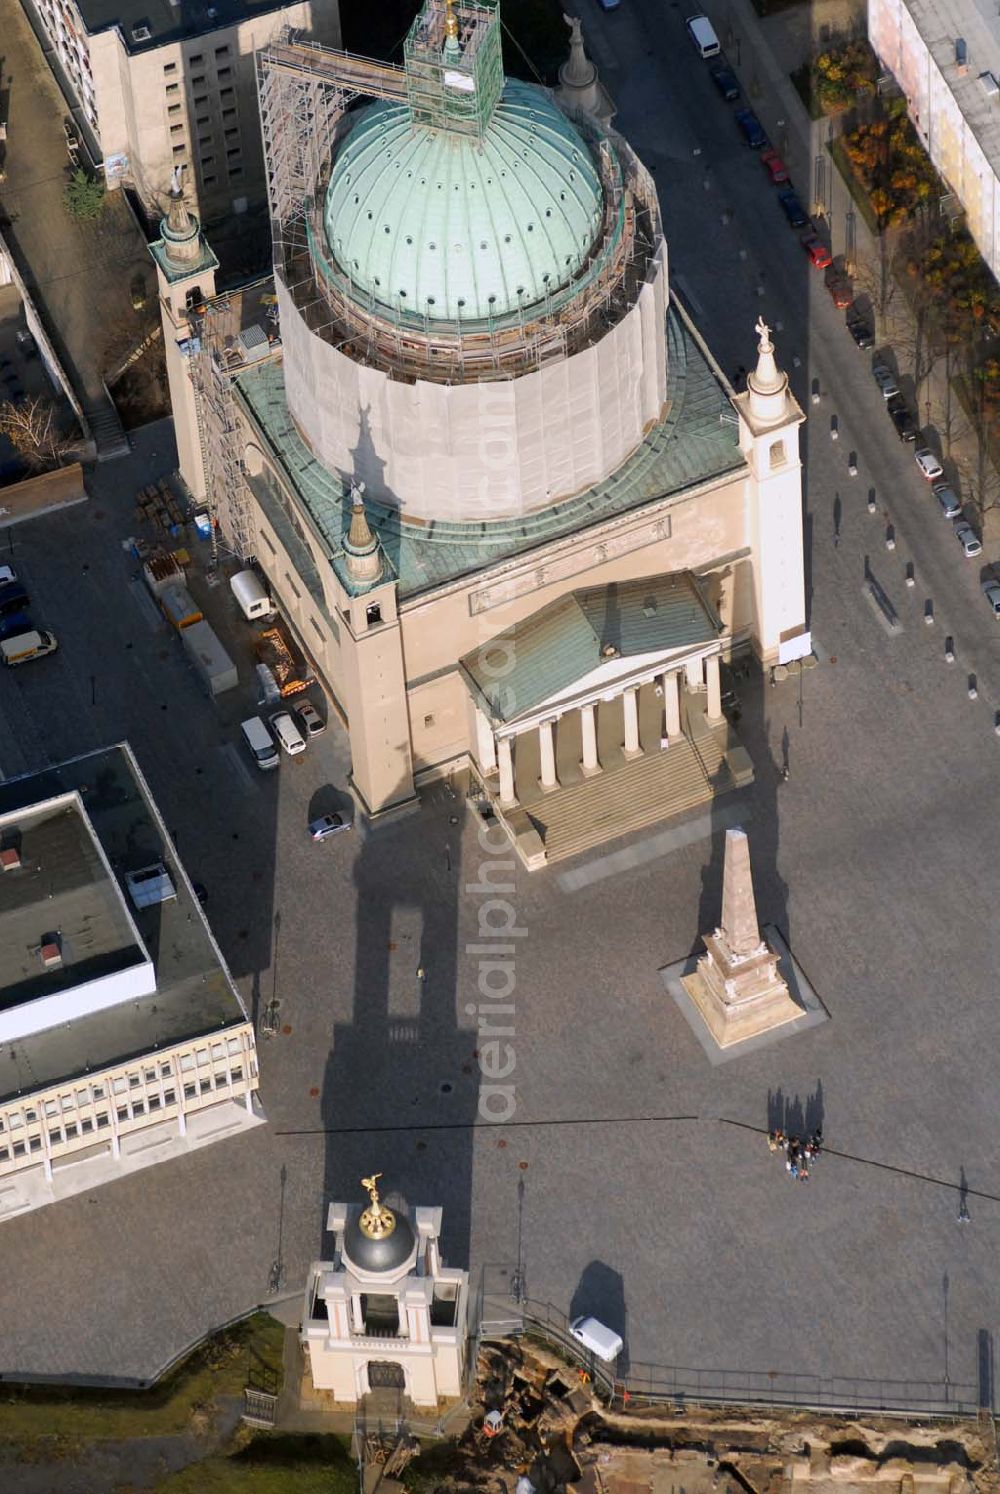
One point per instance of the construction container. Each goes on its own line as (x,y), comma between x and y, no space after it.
(161,570)
(179,607)
(217,670)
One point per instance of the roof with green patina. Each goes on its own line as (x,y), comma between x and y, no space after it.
(561,644)
(695,443)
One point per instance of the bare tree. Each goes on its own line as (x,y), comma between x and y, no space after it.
(876,276)
(32,428)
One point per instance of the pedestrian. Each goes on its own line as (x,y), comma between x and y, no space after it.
(772,1141)
(803,1174)
(784,773)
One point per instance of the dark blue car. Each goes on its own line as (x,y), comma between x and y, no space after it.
(14,624)
(753,130)
(725,81)
(792,208)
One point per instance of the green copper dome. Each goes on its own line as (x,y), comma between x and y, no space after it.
(450,226)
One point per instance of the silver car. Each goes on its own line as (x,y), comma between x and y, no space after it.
(969,540)
(991,591)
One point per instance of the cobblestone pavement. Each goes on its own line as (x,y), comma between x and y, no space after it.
(650,1197)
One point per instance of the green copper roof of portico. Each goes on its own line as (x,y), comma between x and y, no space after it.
(449,226)
(695,443)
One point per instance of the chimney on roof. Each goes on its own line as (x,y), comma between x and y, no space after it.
(10,859)
(961,57)
(50,951)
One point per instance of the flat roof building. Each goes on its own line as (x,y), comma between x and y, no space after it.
(945,56)
(165,85)
(123,1040)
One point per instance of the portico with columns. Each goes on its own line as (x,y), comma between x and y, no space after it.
(602,682)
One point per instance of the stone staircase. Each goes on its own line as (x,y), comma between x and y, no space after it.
(106,428)
(635,795)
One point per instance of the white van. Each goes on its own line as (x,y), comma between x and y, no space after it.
(261,743)
(287,733)
(250,592)
(702,34)
(597,1338)
(26,646)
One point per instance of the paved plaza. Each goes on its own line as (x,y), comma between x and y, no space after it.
(650,1197)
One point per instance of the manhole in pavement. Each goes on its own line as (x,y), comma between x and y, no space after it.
(833,658)
(501,1144)
(421,1146)
(286,1030)
(447,1087)
(313,1092)
(523,1166)
(244,933)
(392,945)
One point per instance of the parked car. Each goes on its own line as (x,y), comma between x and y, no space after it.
(903,419)
(928,463)
(725,81)
(609,4)
(792,208)
(312,722)
(840,291)
(969,540)
(752,129)
(951,504)
(860,328)
(15,623)
(327,825)
(774,165)
(886,380)
(818,253)
(991,591)
(289,737)
(7,574)
(13,598)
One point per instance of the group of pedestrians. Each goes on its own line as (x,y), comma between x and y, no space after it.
(799,1153)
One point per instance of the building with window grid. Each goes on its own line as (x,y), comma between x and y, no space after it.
(123,1040)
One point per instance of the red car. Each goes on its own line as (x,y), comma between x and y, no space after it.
(775,166)
(817,251)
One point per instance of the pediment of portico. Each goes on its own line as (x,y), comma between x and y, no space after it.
(588,643)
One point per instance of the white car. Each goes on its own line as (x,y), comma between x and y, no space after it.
(7,574)
(991,591)
(291,739)
(327,825)
(969,540)
(949,500)
(928,463)
(885,380)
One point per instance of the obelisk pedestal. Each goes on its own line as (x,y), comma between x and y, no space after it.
(736,986)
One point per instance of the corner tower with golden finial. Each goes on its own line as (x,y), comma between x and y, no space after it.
(385,1310)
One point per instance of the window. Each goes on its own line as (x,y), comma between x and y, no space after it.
(218,1051)
(268,543)
(195,58)
(233,133)
(224,73)
(229,113)
(204,140)
(173,88)
(236,171)
(177,129)
(428,722)
(83,1097)
(51,1108)
(373,614)
(236,1073)
(150,1076)
(295,590)
(122,1112)
(120,1086)
(189,1091)
(86,1126)
(777,454)
(221,1080)
(168,1097)
(166,1070)
(154,1103)
(202,120)
(174,110)
(206,1085)
(71,1132)
(199,81)
(134,1081)
(30,1115)
(68,1102)
(222,51)
(208,160)
(138,1107)
(102,1120)
(200,103)
(169,67)
(227,94)
(55,1136)
(18,1148)
(179,149)
(233,1045)
(98,1091)
(233,155)
(34,1143)
(4,1154)
(208,181)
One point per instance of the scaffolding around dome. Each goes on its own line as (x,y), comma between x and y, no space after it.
(305,90)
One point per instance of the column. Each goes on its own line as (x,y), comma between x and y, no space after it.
(588,731)
(506,764)
(672,704)
(486,747)
(631,708)
(547,753)
(695,674)
(713,680)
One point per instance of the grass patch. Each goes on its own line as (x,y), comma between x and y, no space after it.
(272,1463)
(856,188)
(219,1367)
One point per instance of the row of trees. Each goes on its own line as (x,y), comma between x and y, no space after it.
(891,164)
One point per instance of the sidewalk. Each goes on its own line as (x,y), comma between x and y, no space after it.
(764,52)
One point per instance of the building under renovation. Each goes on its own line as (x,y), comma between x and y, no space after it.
(496,482)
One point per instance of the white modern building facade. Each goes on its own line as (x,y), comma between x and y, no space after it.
(945,56)
(164,85)
(123,1040)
